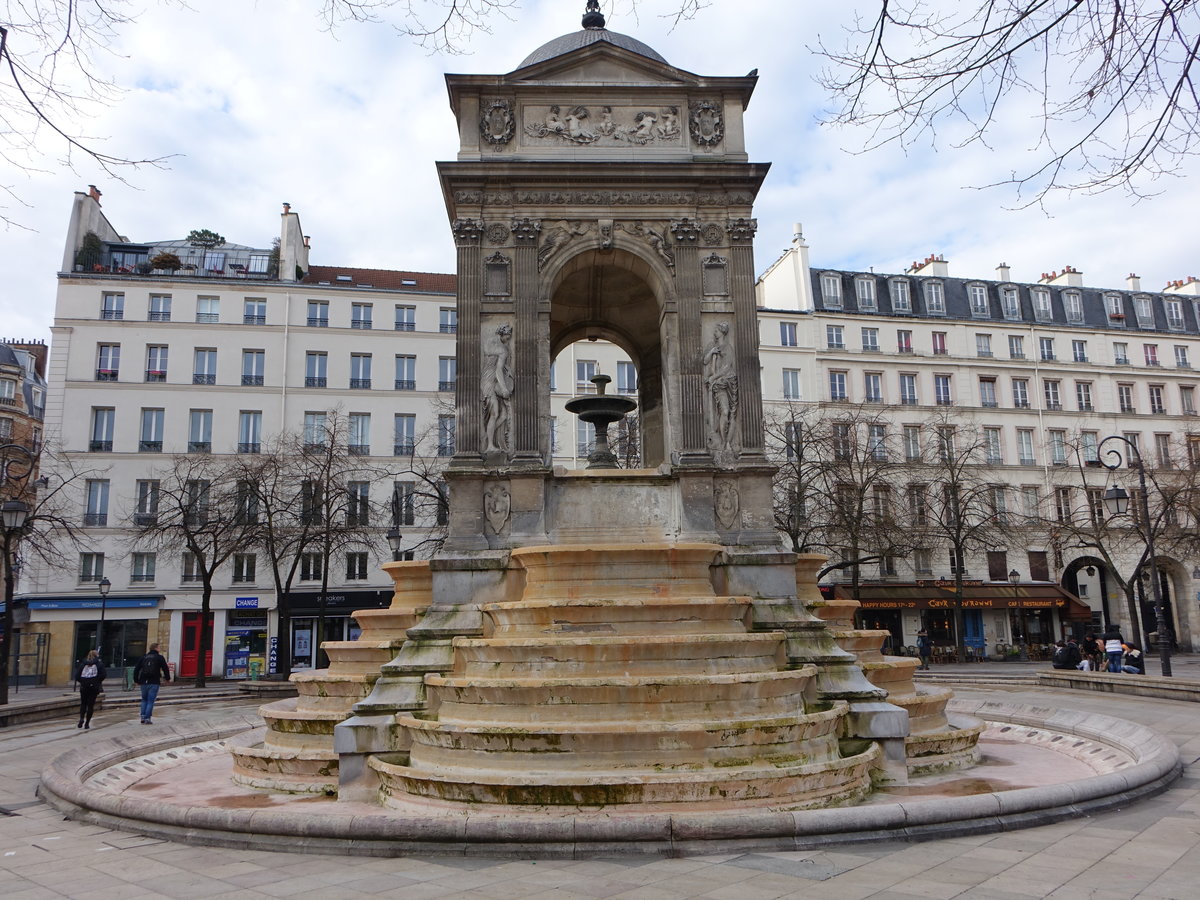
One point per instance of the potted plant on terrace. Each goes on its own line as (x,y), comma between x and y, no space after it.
(165,261)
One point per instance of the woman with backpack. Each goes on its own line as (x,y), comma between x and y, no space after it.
(89,674)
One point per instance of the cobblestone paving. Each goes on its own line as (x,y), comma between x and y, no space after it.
(1149,850)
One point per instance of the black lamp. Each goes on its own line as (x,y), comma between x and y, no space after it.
(393,538)
(1116,500)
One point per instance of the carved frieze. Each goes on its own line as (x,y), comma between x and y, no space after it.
(603,198)
(707,123)
(653,234)
(742,231)
(603,125)
(497,123)
(526,230)
(467,231)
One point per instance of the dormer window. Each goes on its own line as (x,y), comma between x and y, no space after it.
(1041,305)
(831,290)
(1010,303)
(1145,313)
(865,291)
(935,298)
(901,299)
(1115,308)
(1073,304)
(977,294)
(1174,311)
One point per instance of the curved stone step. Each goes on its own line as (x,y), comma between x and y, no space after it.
(360,657)
(568,572)
(326,691)
(837,613)
(386,624)
(955,747)
(667,698)
(625,615)
(269,768)
(843,780)
(926,709)
(894,674)
(557,657)
(293,729)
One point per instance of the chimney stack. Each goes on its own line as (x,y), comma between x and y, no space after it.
(1069,276)
(287,208)
(94,193)
(1003,272)
(1133,283)
(934,265)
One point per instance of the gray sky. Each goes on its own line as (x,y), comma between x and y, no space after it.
(261,106)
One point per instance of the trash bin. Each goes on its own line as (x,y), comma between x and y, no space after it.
(129,685)
(255,670)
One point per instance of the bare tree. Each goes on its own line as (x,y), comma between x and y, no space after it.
(423,500)
(1113,82)
(205,512)
(795,438)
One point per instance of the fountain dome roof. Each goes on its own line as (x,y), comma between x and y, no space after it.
(594,31)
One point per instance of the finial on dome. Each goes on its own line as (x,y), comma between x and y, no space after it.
(593,18)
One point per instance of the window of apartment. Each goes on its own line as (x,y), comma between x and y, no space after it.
(1046,348)
(908,389)
(1050,389)
(1083,395)
(254,363)
(627,382)
(942,390)
(112,306)
(1095,505)
(189,570)
(156,362)
(923,561)
(983,345)
(935,298)
(918,504)
(1073,306)
(404,434)
(406,372)
(1016,346)
(108,362)
(912,442)
(315,430)
(244,565)
(1089,443)
(1187,399)
(865,290)
(901,299)
(145,509)
(1162,450)
(831,290)
(987,392)
(316,369)
(405,497)
(200,430)
(356,566)
(1031,504)
(142,568)
(1010,303)
(1125,398)
(870,340)
(1041,304)
(999,503)
(91,567)
(8,392)
(360,316)
(873,387)
(1079,351)
(160,308)
(406,318)
(255,311)
(791,384)
(1151,351)
(1193,449)
(1062,505)
(1181,357)
(787,334)
(447,373)
(991,446)
(358,504)
(842,440)
(585,438)
(881,503)
(1115,308)
(1020,390)
(360,371)
(1121,353)
(312,503)
(104,419)
(834,337)
(977,295)
(945,442)
(445,435)
(938,339)
(1058,446)
(208,310)
(585,371)
(96,502)
(204,366)
(837,385)
(1174,311)
(448,320)
(1145,314)
(246,503)
(1025,447)
(1156,399)
(359,436)
(151,437)
(318,314)
(311,566)
(249,431)
(904,341)
(958,566)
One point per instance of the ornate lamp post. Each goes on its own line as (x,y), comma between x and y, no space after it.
(393,538)
(1116,501)
(105,586)
(1014,577)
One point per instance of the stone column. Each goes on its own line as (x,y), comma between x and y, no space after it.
(468,404)
(688,288)
(526,290)
(741,279)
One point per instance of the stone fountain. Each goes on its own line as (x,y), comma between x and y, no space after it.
(601,410)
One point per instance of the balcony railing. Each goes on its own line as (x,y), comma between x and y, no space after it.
(144,519)
(141,577)
(939,351)
(249,319)
(158,315)
(406,326)
(985,354)
(403,384)
(359,449)
(197,378)
(1127,409)
(249,448)
(252,380)
(150,446)
(1053,404)
(107,374)
(1027,461)
(95,519)
(446,385)
(1086,407)
(316,381)
(207,318)
(1153,362)
(199,446)
(100,446)
(1121,361)
(1021,404)
(989,404)
(904,349)
(445,450)
(156,375)
(945,401)
(112,314)
(447,328)
(1158,410)
(361,324)
(360,384)
(318,322)
(8,401)
(908,401)
(1016,356)
(404,448)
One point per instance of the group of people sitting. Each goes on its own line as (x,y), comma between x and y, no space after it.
(1109,653)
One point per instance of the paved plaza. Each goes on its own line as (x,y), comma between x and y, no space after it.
(1149,850)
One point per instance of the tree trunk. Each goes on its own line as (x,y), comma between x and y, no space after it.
(7,643)
(205,642)
(960,636)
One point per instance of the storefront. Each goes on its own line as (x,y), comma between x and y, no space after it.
(71,627)
(338,626)
(247,641)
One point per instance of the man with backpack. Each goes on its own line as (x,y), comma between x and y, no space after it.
(1066,655)
(148,673)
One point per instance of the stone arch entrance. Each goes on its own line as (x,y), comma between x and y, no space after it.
(619,297)
(1089,579)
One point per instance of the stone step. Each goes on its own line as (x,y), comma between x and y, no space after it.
(569,572)
(716,698)
(682,615)
(558,657)
(360,657)
(386,624)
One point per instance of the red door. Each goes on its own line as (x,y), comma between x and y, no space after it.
(189,656)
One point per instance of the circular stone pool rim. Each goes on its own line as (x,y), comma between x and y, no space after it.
(1157,765)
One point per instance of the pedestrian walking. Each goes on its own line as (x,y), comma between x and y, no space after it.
(924,648)
(149,673)
(1113,648)
(89,673)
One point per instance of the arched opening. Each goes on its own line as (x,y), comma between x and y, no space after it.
(571,372)
(1089,579)
(612,297)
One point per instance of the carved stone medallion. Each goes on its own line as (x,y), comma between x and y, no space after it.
(497,124)
(713,234)
(707,123)
(496,507)
(498,232)
(726,504)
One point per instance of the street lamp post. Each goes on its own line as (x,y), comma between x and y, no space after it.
(1014,577)
(105,586)
(393,538)
(1116,501)
(14,514)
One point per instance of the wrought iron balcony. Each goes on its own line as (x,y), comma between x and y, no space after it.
(315,381)
(405,385)
(197,378)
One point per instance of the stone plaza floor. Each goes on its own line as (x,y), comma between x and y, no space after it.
(1151,849)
